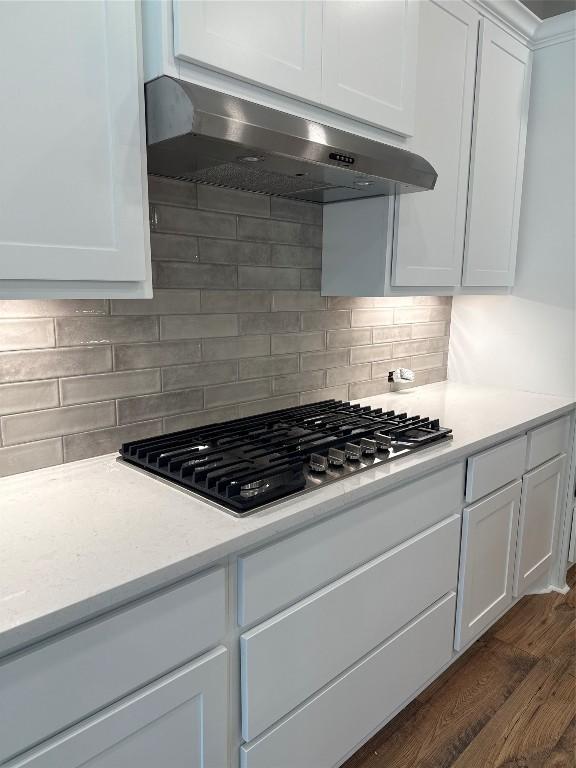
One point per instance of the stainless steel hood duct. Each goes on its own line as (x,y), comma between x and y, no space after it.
(201,135)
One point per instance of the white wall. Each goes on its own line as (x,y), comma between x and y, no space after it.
(527,340)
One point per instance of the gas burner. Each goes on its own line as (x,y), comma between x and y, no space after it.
(246,464)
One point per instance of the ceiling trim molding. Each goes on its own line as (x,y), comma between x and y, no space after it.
(511,14)
(555,30)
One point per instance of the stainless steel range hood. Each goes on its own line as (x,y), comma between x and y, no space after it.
(201,135)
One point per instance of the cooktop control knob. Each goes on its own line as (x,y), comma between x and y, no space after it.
(353,452)
(318,463)
(383,441)
(336,458)
(369,447)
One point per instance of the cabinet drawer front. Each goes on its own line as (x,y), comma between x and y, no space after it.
(291,656)
(66,679)
(280,574)
(548,441)
(357,703)
(178,720)
(489,531)
(495,468)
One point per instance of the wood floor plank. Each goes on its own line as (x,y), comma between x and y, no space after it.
(536,623)
(439,730)
(564,753)
(526,728)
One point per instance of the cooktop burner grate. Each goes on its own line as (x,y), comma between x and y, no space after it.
(247,463)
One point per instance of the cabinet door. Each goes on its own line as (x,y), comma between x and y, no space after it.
(429,237)
(369,58)
(497,165)
(276,44)
(539,512)
(489,531)
(178,722)
(72,176)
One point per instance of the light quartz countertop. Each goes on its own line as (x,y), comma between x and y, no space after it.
(81,538)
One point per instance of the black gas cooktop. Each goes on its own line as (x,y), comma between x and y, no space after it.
(248,463)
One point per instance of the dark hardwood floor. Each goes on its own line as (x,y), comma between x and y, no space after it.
(508,702)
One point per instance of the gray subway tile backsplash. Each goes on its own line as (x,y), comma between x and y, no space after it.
(28,456)
(299,300)
(53,307)
(146,407)
(200,374)
(162,190)
(223,394)
(187,221)
(235,347)
(129,357)
(284,343)
(26,334)
(236,301)
(87,444)
(327,393)
(237,326)
(273,365)
(51,363)
(181,274)
(28,396)
(372,317)
(198,326)
(231,201)
(349,338)
(74,331)
(174,247)
(310,279)
(293,210)
(109,386)
(165,302)
(370,353)
(291,233)
(268,277)
(325,320)
(299,382)
(314,361)
(26,427)
(347,374)
(200,418)
(276,322)
(214,251)
(296,256)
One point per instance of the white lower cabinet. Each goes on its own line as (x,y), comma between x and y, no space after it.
(178,722)
(292,655)
(104,660)
(539,513)
(489,530)
(330,726)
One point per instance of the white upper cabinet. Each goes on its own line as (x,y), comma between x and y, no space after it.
(354,57)
(369,59)
(429,237)
(497,167)
(277,44)
(73,204)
